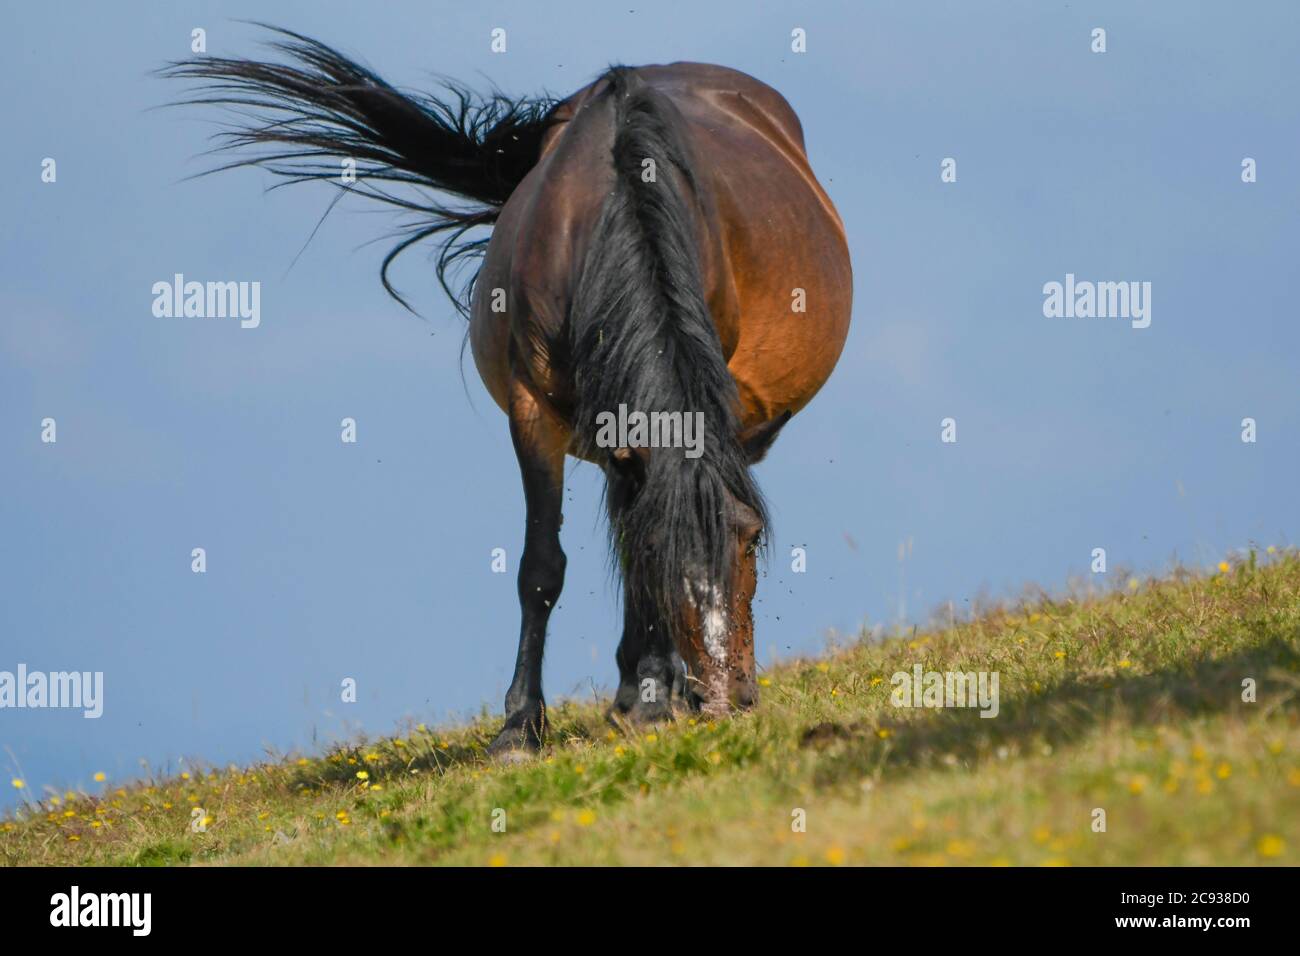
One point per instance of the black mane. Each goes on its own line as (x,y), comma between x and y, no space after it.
(642,335)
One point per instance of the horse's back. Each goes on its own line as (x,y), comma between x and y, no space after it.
(706,93)
(769,230)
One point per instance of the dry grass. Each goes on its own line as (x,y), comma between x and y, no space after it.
(1129,702)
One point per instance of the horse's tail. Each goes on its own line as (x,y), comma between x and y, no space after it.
(642,334)
(322,109)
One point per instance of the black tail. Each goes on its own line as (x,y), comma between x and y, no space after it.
(643,335)
(322,107)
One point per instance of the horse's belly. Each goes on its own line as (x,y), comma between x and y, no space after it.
(782,358)
(789,261)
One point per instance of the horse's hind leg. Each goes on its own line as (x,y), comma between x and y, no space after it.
(540,439)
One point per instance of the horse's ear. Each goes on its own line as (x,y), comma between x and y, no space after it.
(630,463)
(757,440)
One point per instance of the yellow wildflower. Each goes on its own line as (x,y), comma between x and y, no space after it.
(1270,845)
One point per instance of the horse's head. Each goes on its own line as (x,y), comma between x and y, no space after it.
(715,635)
(708,602)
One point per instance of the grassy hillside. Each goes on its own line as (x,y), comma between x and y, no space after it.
(1129,702)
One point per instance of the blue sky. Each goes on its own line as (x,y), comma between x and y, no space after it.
(372,561)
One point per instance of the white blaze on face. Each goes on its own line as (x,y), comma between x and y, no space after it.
(715,628)
(713,618)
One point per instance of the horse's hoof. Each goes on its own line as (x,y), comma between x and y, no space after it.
(514,745)
(656,713)
(512,755)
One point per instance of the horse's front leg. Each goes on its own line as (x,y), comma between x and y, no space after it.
(540,439)
(650,672)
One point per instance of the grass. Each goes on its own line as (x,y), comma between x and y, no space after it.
(1128,702)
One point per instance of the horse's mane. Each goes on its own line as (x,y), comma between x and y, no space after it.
(641,334)
(302,117)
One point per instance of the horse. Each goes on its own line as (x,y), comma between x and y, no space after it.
(660,251)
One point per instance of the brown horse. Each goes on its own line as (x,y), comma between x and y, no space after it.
(665,284)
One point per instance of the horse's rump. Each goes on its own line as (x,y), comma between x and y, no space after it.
(766,226)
